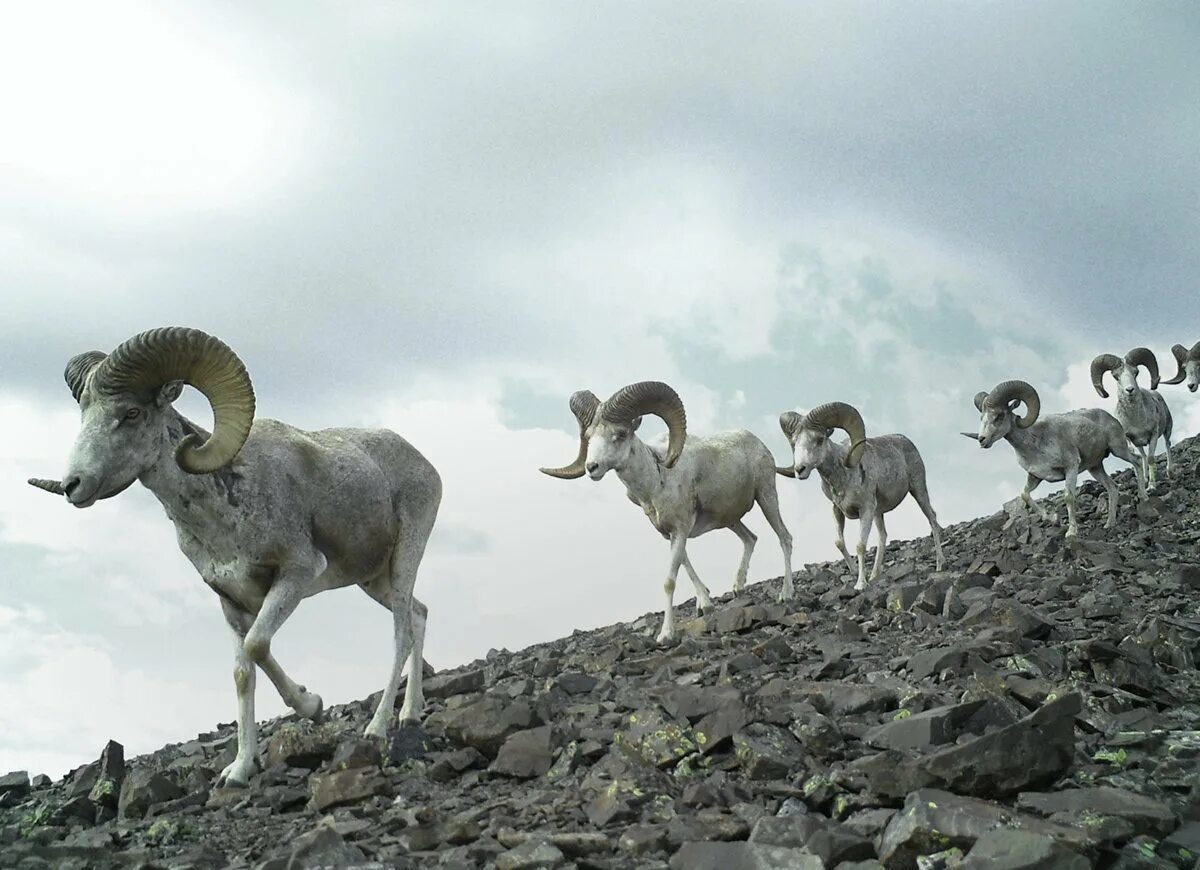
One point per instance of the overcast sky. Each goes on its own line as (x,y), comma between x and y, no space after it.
(444,218)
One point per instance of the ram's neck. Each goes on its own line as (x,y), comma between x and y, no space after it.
(833,468)
(641,474)
(188,496)
(1026,442)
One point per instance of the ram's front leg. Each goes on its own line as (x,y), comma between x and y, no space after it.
(864,535)
(238,772)
(880,545)
(1072,491)
(678,549)
(839,519)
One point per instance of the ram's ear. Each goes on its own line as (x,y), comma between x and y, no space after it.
(168,393)
(637,421)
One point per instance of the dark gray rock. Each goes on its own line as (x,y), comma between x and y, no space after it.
(933,820)
(527,754)
(742,856)
(462,683)
(341,787)
(533,853)
(1014,849)
(767,751)
(921,730)
(1146,815)
(110,774)
(1037,750)
(16,783)
(356,752)
(485,723)
(302,744)
(142,789)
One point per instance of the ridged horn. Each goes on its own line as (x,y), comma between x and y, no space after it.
(1007,391)
(1181,357)
(1143,356)
(839,415)
(78,369)
(150,359)
(1106,362)
(790,422)
(980,398)
(52,486)
(583,405)
(650,397)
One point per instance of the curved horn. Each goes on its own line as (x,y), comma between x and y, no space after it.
(839,415)
(583,405)
(1181,357)
(980,397)
(1005,392)
(1143,356)
(78,368)
(650,397)
(1106,362)
(52,486)
(790,422)
(148,360)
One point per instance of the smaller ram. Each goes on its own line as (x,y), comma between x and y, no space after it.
(686,485)
(1055,447)
(1143,413)
(863,478)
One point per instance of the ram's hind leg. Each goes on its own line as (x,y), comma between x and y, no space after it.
(920,493)
(768,502)
(402,577)
(704,602)
(414,697)
(1110,485)
(1119,447)
(748,539)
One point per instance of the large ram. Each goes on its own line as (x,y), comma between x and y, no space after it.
(268,514)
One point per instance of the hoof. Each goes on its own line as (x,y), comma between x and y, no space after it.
(237,774)
(311,707)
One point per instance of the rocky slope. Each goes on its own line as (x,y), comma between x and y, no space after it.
(1037,704)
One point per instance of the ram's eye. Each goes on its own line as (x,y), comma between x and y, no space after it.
(133,413)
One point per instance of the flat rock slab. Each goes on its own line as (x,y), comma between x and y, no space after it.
(1014,849)
(933,821)
(921,730)
(742,856)
(1147,815)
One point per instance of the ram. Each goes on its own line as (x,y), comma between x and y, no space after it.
(686,485)
(864,479)
(267,514)
(1055,447)
(1188,361)
(1143,413)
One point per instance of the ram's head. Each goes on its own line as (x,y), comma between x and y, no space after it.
(811,436)
(1189,366)
(998,411)
(606,429)
(124,398)
(1124,371)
